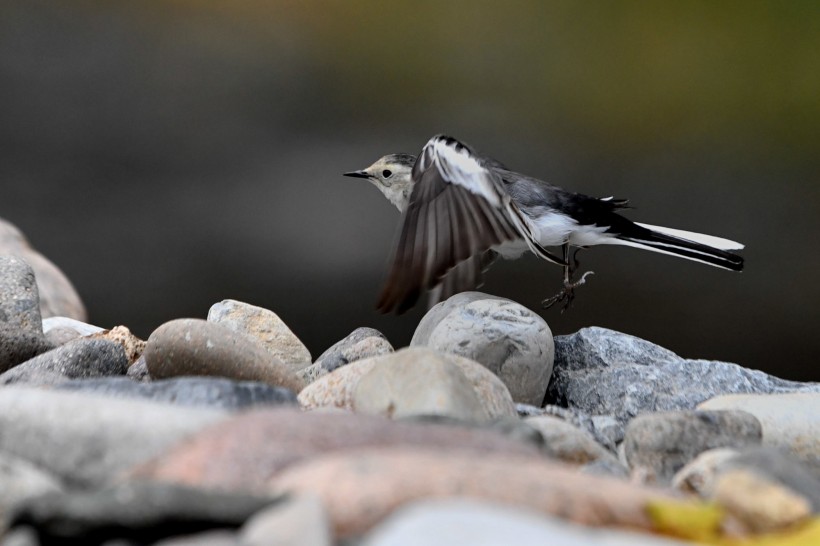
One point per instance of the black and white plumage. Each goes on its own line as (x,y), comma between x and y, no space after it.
(460,209)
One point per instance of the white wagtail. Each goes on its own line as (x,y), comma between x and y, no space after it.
(461,209)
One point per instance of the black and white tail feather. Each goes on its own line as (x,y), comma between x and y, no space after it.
(463,207)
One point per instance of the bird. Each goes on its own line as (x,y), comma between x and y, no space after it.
(461,210)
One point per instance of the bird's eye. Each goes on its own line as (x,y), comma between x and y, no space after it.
(386,173)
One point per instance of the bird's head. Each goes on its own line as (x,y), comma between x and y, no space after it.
(392,175)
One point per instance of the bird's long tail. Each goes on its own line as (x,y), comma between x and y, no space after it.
(706,249)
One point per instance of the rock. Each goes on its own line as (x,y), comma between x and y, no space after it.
(82,358)
(19,298)
(61,330)
(702,474)
(240,454)
(219,537)
(87,439)
(567,442)
(196,347)
(664,442)
(507,338)
(361,487)
(131,344)
(140,512)
(138,371)
(418,382)
(762,505)
(457,521)
(214,392)
(298,521)
(338,388)
(17,346)
(608,430)
(20,481)
(789,421)
(57,295)
(360,344)
(264,326)
(439,312)
(603,372)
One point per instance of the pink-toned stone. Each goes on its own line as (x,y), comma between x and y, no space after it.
(242,453)
(359,488)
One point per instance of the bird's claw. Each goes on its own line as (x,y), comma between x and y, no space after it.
(567,294)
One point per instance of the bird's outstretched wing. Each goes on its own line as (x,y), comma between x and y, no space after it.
(458,209)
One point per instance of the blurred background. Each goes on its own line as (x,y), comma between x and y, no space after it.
(169,154)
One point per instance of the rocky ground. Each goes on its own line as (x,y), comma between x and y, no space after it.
(487,430)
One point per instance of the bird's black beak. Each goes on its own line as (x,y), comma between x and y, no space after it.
(357,174)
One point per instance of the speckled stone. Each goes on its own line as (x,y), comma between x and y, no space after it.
(266,327)
(82,358)
(360,344)
(508,339)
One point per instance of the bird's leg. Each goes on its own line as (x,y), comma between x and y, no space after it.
(567,294)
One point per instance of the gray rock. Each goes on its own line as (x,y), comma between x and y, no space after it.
(790,421)
(568,443)
(264,326)
(21,481)
(607,430)
(299,521)
(220,537)
(337,389)
(17,346)
(703,473)
(360,344)
(664,442)
(215,392)
(196,347)
(87,439)
(57,295)
(138,371)
(19,297)
(82,358)
(454,521)
(438,312)
(418,382)
(603,372)
(507,338)
(142,513)
(61,330)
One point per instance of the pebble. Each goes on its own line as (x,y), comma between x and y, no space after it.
(418,382)
(19,298)
(140,513)
(702,474)
(603,372)
(301,520)
(664,442)
(457,521)
(82,358)
(213,392)
(196,347)
(17,346)
(243,452)
(568,443)
(360,488)
(264,326)
(789,421)
(338,388)
(762,505)
(138,371)
(131,344)
(510,340)
(87,439)
(360,344)
(61,330)
(58,296)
